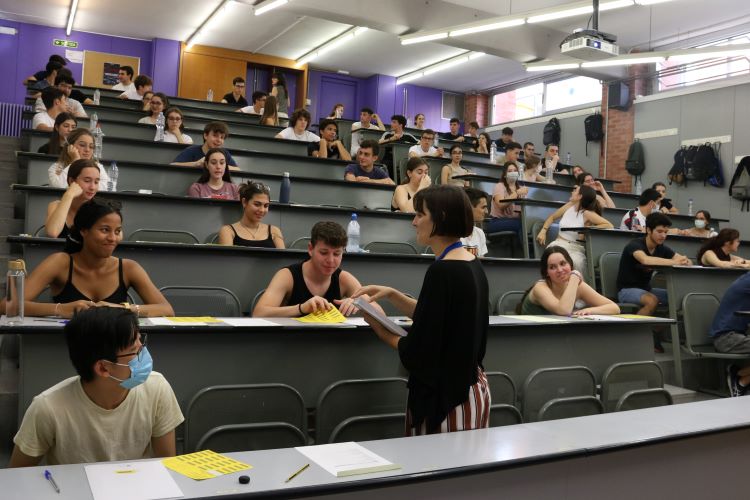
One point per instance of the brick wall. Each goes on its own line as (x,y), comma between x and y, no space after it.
(476,108)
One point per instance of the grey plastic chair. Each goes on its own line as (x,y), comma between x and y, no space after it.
(502,415)
(621,378)
(391,247)
(212,238)
(646,398)
(698,310)
(552,232)
(609,266)
(40,231)
(300,243)
(255,300)
(508,301)
(369,427)
(356,398)
(202,301)
(579,406)
(546,384)
(163,236)
(242,404)
(239,437)
(502,388)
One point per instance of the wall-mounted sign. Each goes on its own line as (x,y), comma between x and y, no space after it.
(65,43)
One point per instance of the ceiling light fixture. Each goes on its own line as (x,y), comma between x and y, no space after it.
(71,17)
(692,55)
(552,66)
(264,7)
(478,28)
(624,61)
(438,66)
(651,2)
(334,43)
(202,28)
(424,38)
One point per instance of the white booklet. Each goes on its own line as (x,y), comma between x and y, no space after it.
(146,480)
(346,459)
(389,325)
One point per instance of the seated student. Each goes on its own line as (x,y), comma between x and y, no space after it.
(532,167)
(297,129)
(454,168)
(215,181)
(116,408)
(506,137)
(635,219)
(417,178)
(472,135)
(512,154)
(146,102)
(55,103)
(159,102)
(250,231)
(236,96)
(483,143)
(552,159)
(419,121)
(425,147)
(141,85)
(86,274)
(337,112)
(317,284)
(718,251)
(455,132)
(330,146)
(665,204)
(59,61)
(365,169)
(270,114)
(64,81)
(701,226)
(730,332)
(506,215)
(259,104)
(476,243)
(174,127)
(562,290)
(125,79)
(83,180)
(582,210)
(65,123)
(395,134)
(528,151)
(80,147)
(214,134)
(48,80)
(576,171)
(366,115)
(587,179)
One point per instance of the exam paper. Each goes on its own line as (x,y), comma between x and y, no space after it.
(204,464)
(183,321)
(332,315)
(247,322)
(148,480)
(346,459)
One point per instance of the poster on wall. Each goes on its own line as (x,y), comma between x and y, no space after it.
(110,73)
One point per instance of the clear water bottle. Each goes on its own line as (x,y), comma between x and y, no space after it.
(113,173)
(98,142)
(436,142)
(352,234)
(690,206)
(97,97)
(549,172)
(160,127)
(638,185)
(521,170)
(567,158)
(210,95)
(493,152)
(286,189)
(14,289)
(93,121)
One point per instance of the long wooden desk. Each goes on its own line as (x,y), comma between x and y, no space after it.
(175,181)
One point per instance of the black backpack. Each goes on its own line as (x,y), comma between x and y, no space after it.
(593,126)
(636,163)
(701,163)
(552,132)
(676,174)
(739,188)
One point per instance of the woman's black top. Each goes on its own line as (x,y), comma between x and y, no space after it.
(70,293)
(242,242)
(300,293)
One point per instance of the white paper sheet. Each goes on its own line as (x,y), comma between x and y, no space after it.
(162,321)
(356,321)
(74,56)
(247,322)
(346,459)
(389,325)
(148,480)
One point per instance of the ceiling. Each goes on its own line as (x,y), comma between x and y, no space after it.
(301,25)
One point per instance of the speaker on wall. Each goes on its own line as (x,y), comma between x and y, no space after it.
(619,96)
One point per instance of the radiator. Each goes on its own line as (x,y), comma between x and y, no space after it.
(11,119)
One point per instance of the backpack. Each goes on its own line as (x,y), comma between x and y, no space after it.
(717,178)
(701,163)
(635,164)
(551,133)
(677,172)
(739,188)
(593,127)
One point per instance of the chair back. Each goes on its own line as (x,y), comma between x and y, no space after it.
(508,301)
(243,437)
(545,384)
(300,243)
(391,247)
(502,388)
(202,301)
(255,300)
(163,236)
(212,238)
(646,398)
(504,414)
(698,310)
(369,427)
(579,406)
(552,232)
(609,266)
(621,378)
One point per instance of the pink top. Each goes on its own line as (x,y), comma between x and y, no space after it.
(228,191)
(509,211)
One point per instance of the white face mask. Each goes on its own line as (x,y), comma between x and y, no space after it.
(512,176)
(700,223)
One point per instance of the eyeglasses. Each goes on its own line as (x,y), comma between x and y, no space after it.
(239,85)
(175,118)
(139,353)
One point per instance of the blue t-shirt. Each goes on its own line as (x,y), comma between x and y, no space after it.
(195,153)
(356,171)
(736,298)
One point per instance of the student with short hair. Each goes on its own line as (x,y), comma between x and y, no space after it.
(330,146)
(237,96)
(159,102)
(259,104)
(215,181)
(731,332)
(506,137)
(125,79)
(445,348)
(366,115)
(454,168)
(455,133)
(528,150)
(269,114)
(48,80)
(141,85)
(417,179)
(317,284)
(531,172)
(476,242)
(587,179)
(719,250)
(635,219)
(65,123)
(395,134)
(250,231)
(115,408)
(55,103)
(512,154)
(64,81)
(665,204)
(43,74)
(297,129)
(472,135)
(214,134)
(174,129)
(365,169)
(80,147)
(83,181)
(425,146)
(552,158)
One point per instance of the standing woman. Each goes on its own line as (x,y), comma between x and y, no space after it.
(250,231)
(270,114)
(80,147)
(65,123)
(443,352)
(337,112)
(83,184)
(419,121)
(417,179)
(86,274)
(174,127)
(215,181)
(280,92)
(159,103)
(506,215)
(454,168)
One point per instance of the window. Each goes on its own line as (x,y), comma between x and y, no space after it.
(572,92)
(525,102)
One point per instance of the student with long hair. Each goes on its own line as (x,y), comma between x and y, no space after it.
(280,92)
(80,147)
(417,179)
(250,231)
(65,123)
(159,102)
(83,184)
(270,116)
(701,226)
(454,168)
(587,179)
(719,250)
(483,143)
(215,181)
(531,170)
(337,112)
(506,215)
(174,128)
(419,121)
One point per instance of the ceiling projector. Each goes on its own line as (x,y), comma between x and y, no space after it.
(590,45)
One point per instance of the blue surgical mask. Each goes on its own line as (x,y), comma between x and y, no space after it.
(140,368)
(700,223)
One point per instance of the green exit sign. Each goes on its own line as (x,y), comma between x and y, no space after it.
(65,43)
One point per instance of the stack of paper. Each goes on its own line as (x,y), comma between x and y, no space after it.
(332,315)
(205,464)
(389,325)
(346,459)
(147,480)
(183,321)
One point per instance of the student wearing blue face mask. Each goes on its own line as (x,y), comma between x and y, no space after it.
(116,408)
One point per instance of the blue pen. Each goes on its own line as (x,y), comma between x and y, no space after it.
(48,477)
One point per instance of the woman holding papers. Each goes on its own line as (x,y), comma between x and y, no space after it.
(562,290)
(445,347)
(86,275)
(719,251)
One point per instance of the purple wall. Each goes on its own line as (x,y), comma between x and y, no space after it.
(425,100)
(165,61)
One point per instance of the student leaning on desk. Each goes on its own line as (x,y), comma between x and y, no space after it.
(116,408)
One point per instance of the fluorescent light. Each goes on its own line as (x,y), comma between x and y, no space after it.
(616,4)
(441,66)
(409,77)
(651,2)
(552,66)
(623,61)
(264,7)
(328,46)
(488,27)
(307,58)
(424,38)
(360,29)
(691,55)
(71,17)
(578,11)
(475,55)
(221,9)
(4,30)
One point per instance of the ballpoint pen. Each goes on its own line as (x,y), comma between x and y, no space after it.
(48,477)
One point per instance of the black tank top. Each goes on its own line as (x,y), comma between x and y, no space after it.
(70,293)
(301,294)
(242,242)
(395,209)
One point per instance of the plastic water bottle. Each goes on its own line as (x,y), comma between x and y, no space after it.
(549,173)
(638,186)
(690,206)
(286,189)
(493,152)
(97,97)
(98,142)
(210,95)
(113,174)
(14,290)
(352,234)
(521,169)
(93,121)
(567,158)
(159,127)
(436,142)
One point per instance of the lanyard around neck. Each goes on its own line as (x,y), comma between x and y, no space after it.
(450,247)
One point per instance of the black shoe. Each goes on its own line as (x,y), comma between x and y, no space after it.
(733,382)
(658,348)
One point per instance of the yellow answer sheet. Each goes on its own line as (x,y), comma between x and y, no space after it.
(205,464)
(333,315)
